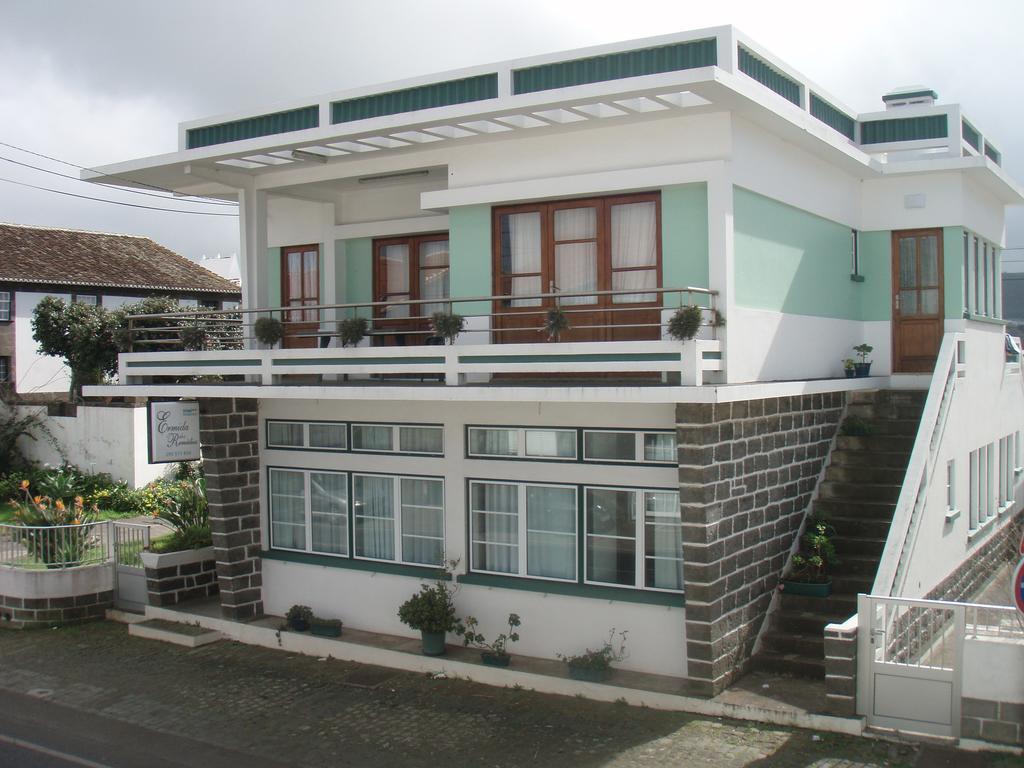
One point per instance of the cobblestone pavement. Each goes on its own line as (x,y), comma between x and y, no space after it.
(306,711)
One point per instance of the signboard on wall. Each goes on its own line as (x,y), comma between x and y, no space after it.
(173,431)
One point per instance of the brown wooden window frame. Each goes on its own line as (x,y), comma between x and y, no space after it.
(413,243)
(303,314)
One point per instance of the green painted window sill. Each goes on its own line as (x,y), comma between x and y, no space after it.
(398,569)
(670,599)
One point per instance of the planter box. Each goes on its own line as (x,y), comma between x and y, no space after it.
(590,674)
(325,630)
(807,590)
(175,577)
(495,659)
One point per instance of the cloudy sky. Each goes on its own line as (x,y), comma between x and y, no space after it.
(108,80)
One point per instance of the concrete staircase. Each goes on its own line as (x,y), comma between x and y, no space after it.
(858,494)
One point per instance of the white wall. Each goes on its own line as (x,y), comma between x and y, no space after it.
(35,372)
(99,439)
(994,669)
(551,623)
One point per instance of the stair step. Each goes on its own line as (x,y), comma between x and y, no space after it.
(809,645)
(897,397)
(873,411)
(788,664)
(859,509)
(862,458)
(840,606)
(884,475)
(855,565)
(863,491)
(860,527)
(882,427)
(852,584)
(803,622)
(859,545)
(188,635)
(881,443)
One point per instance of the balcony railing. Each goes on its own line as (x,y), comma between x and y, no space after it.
(512,338)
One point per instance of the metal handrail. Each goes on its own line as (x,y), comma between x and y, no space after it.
(55,546)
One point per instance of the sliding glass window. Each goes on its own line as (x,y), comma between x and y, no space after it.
(400,519)
(309,511)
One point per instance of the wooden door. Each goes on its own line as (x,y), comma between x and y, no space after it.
(409,268)
(300,287)
(917,299)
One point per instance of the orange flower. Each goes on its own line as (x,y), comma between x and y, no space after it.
(37,500)
(24,485)
(76,521)
(59,504)
(79,502)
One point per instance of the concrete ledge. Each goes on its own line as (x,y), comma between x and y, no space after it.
(170,632)
(292,642)
(158,560)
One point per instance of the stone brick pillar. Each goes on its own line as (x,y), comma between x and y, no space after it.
(841,668)
(229,432)
(746,474)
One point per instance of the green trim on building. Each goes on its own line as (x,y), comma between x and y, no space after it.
(768,76)
(303,361)
(970,135)
(429,572)
(469,253)
(615,66)
(445,94)
(908,95)
(192,363)
(904,129)
(833,117)
(620,357)
(574,589)
(684,240)
(788,260)
(358,272)
(993,154)
(252,127)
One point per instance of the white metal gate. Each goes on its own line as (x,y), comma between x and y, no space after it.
(130,540)
(910,658)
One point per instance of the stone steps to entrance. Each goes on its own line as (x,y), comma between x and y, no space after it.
(866,490)
(850,457)
(867,473)
(855,509)
(188,635)
(794,664)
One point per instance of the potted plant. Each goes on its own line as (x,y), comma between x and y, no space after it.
(325,627)
(849,367)
(595,666)
(352,330)
(863,368)
(299,617)
(268,330)
(556,323)
(809,570)
(447,325)
(685,322)
(432,612)
(491,654)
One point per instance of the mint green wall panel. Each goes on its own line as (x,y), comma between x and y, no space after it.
(613,66)
(273,277)
(429,96)
(469,232)
(684,238)
(876,269)
(788,260)
(358,271)
(252,127)
(953,271)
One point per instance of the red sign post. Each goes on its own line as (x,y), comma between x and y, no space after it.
(1018,581)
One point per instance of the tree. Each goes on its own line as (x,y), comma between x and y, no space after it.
(82,335)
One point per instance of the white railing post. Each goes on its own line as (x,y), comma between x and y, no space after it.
(452,376)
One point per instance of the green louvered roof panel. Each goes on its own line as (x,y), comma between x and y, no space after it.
(429,96)
(904,129)
(970,135)
(832,117)
(615,66)
(252,127)
(992,153)
(768,76)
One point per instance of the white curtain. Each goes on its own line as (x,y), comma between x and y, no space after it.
(373,498)
(494,442)
(551,532)
(550,443)
(495,515)
(520,253)
(287,509)
(285,433)
(328,504)
(659,447)
(634,241)
(396,278)
(664,540)
(611,446)
(576,263)
(434,277)
(422,520)
(367,437)
(421,439)
(328,436)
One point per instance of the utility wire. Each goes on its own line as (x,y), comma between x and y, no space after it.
(86,168)
(109,186)
(115,202)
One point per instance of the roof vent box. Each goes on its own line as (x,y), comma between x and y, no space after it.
(910,95)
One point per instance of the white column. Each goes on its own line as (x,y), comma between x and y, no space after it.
(329,265)
(252,209)
(721,253)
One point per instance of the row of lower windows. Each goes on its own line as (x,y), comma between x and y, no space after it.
(556,444)
(631,537)
(993,471)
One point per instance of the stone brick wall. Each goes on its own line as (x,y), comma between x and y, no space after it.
(229,432)
(997,721)
(841,668)
(180,576)
(987,558)
(746,474)
(29,613)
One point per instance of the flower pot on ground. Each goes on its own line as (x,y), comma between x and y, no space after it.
(863,368)
(432,612)
(804,589)
(299,617)
(849,367)
(325,627)
(808,572)
(595,666)
(493,654)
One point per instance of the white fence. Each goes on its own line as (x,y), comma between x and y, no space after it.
(56,546)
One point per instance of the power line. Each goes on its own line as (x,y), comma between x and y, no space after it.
(115,202)
(87,168)
(110,186)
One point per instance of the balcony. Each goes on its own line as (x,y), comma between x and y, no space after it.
(613,337)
